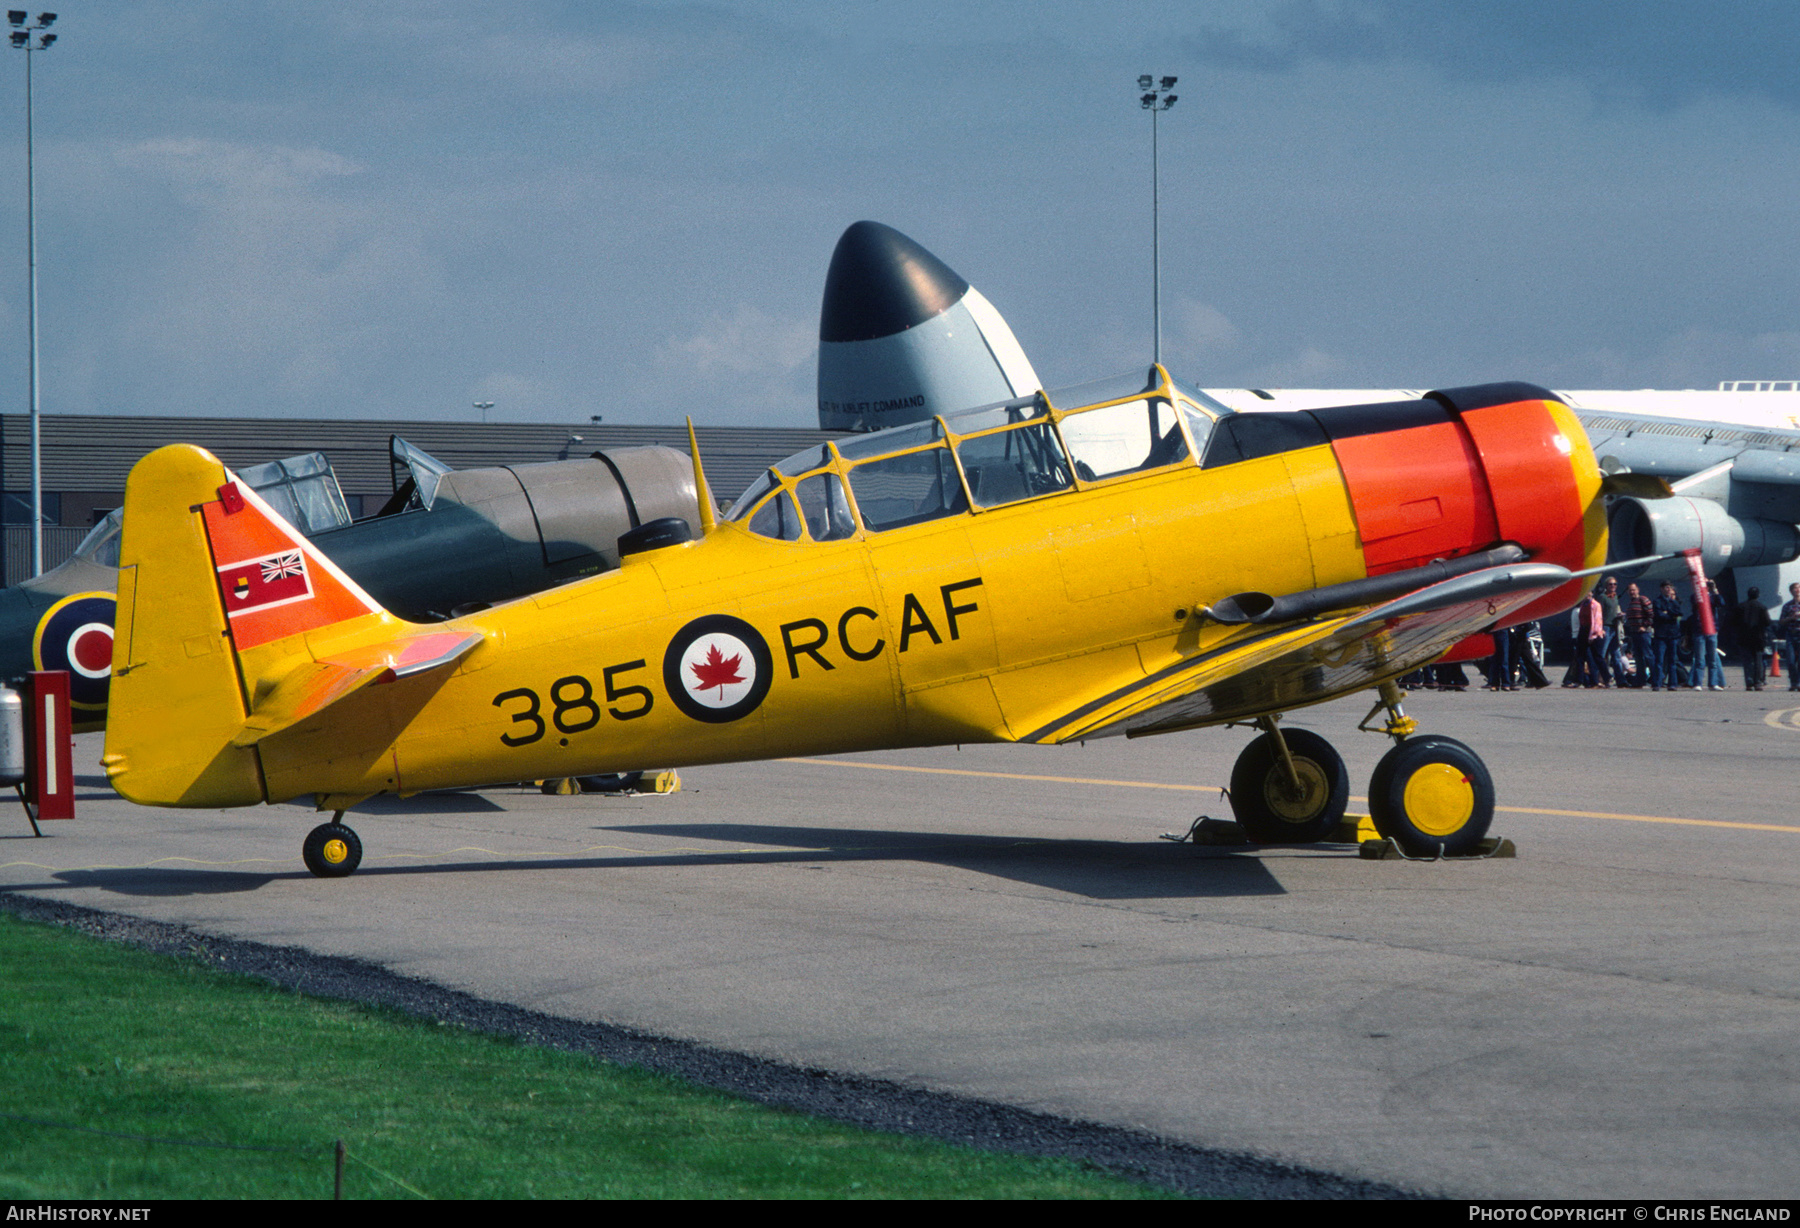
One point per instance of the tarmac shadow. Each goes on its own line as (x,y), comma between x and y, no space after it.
(1096,869)
(426,803)
(157,881)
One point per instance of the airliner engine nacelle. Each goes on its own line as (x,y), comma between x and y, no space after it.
(1641,527)
(902,337)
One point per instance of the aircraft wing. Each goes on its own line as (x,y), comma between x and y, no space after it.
(1280,668)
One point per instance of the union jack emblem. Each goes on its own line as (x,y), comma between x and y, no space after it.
(282,566)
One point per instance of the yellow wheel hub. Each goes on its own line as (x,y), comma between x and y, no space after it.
(1439,799)
(1302,805)
(335,852)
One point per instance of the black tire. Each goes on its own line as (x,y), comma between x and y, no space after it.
(612,782)
(1262,797)
(332,851)
(1433,796)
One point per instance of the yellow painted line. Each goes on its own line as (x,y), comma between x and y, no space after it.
(1783,718)
(1650,818)
(192,861)
(1144,784)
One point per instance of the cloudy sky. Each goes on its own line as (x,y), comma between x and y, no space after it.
(399,209)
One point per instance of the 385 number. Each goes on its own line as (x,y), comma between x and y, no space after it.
(572,705)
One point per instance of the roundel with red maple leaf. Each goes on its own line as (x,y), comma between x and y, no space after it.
(717,669)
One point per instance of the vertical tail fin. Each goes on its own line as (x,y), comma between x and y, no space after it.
(903,336)
(208,573)
(272,583)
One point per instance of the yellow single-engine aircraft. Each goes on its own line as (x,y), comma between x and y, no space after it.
(1120,558)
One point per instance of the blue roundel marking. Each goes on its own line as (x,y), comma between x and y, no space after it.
(76,635)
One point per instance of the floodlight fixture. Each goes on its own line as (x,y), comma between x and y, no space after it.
(1154,98)
(1144,82)
(21,40)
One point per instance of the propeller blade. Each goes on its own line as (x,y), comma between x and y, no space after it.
(1637,485)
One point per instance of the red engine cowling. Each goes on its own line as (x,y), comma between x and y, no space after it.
(1464,469)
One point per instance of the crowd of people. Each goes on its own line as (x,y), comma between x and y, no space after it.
(1639,640)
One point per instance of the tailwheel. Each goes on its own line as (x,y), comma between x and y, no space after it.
(332,851)
(1277,806)
(1433,796)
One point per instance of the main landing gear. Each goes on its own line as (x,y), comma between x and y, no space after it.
(1289,788)
(332,850)
(1430,794)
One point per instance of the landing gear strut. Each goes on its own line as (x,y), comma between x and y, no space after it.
(332,850)
(1431,795)
(1289,788)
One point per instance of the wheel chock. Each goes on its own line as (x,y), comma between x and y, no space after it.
(666,782)
(1386,849)
(1354,829)
(1206,831)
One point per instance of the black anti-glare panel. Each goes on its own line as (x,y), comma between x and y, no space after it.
(1480,396)
(881,283)
(1347,421)
(1242,437)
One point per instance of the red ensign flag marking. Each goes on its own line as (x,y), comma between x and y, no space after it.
(257,584)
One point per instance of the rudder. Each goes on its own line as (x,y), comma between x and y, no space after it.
(176,694)
(207,574)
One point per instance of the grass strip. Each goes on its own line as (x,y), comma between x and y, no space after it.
(130,1075)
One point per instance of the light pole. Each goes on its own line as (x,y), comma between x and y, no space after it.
(484,406)
(1156,98)
(22,40)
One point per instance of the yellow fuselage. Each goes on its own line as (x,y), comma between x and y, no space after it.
(975,628)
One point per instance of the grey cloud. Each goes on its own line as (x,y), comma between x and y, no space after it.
(1657,52)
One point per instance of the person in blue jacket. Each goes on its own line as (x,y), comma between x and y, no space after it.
(1665,669)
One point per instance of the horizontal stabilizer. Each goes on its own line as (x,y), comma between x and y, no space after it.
(310,689)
